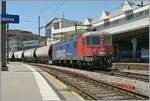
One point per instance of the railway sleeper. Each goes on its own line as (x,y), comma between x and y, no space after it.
(106,95)
(117,97)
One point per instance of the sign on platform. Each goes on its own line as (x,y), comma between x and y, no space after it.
(9,18)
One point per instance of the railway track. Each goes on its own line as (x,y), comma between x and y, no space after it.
(136,76)
(90,88)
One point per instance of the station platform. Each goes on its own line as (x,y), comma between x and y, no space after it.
(22,82)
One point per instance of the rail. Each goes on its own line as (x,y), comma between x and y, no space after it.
(91,88)
(130,75)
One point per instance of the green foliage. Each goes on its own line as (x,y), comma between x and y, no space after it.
(106,33)
(71,34)
(68,89)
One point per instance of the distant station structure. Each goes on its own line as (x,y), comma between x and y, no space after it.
(21,40)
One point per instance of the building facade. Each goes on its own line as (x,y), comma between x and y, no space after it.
(129,27)
(33,43)
(57,27)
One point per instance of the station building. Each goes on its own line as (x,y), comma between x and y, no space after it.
(128,25)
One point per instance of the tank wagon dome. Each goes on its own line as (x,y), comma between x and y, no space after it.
(29,54)
(18,54)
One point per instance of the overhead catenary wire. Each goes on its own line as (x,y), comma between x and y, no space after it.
(58,7)
(45,8)
(54,12)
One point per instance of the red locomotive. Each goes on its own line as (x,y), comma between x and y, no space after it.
(95,49)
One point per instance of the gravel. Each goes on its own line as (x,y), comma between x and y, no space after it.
(140,86)
(137,71)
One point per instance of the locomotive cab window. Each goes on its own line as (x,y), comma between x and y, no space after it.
(88,41)
(95,40)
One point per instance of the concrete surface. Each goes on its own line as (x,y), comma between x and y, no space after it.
(64,92)
(20,84)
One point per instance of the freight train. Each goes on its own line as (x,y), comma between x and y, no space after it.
(92,50)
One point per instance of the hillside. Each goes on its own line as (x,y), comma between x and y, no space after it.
(23,35)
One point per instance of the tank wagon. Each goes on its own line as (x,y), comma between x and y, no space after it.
(43,54)
(18,55)
(11,56)
(92,49)
(29,55)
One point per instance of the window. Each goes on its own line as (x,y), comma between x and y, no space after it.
(116,22)
(95,40)
(139,14)
(88,40)
(129,17)
(106,24)
(56,25)
(146,12)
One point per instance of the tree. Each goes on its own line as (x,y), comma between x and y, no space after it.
(71,34)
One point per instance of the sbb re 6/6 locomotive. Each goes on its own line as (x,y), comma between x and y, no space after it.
(92,50)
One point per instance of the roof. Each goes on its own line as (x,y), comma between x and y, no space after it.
(71,20)
(56,18)
(119,11)
(87,21)
(127,6)
(51,21)
(105,15)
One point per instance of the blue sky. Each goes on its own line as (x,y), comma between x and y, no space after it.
(47,9)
